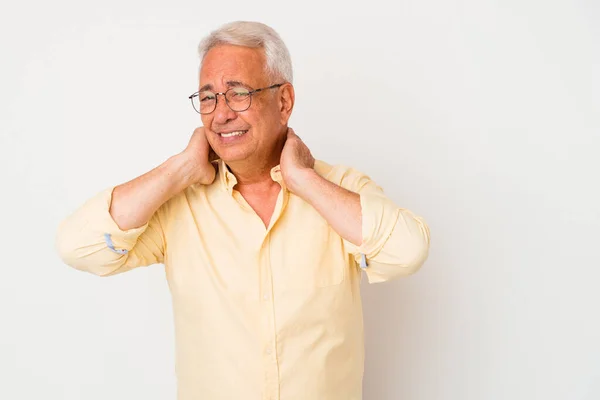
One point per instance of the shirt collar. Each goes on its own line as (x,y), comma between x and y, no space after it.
(228,180)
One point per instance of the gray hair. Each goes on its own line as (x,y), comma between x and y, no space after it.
(255,35)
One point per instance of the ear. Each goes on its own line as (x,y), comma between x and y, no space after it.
(287,98)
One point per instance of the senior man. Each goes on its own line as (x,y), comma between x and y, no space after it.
(263,246)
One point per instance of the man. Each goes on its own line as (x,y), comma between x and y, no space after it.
(262,244)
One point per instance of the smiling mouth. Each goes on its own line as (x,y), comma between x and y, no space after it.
(231,134)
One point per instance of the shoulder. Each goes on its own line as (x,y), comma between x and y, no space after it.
(345,176)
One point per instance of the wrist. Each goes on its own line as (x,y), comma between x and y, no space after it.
(184,170)
(301,181)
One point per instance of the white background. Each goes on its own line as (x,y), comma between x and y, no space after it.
(480,116)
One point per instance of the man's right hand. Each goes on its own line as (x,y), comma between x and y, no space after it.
(200,154)
(133,203)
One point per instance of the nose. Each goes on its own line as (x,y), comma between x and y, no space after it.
(223,114)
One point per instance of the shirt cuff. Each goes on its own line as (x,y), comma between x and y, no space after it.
(118,240)
(379,215)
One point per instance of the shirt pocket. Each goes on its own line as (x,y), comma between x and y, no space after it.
(313,257)
(331,271)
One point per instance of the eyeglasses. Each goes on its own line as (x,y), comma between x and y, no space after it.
(238,99)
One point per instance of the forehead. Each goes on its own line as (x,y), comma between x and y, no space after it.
(225,63)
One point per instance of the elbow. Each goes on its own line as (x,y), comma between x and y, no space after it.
(84,257)
(394,268)
(65,245)
(401,260)
(404,253)
(70,253)
(420,248)
(419,256)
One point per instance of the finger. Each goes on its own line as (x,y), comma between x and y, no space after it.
(291,133)
(198,135)
(212,156)
(199,130)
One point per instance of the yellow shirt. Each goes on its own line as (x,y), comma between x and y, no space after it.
(260,313)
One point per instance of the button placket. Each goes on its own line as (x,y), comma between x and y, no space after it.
(270,362)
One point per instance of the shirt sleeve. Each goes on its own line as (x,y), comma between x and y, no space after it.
(91,241)
(395,242)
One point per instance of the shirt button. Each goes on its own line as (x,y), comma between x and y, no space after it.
(269,351)
(265,297)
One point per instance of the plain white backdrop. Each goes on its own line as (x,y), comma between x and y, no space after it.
(480,116)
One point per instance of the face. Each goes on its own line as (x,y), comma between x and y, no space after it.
(264,124)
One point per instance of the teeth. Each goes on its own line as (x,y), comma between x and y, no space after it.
(230,134)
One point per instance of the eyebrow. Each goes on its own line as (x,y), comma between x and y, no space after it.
(229,84)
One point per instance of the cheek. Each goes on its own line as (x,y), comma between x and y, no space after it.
(251,118)
(206,120)
(265,114)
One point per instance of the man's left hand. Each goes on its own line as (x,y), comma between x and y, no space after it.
(296,161)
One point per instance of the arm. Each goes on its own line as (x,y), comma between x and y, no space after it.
(340,207)
(120,228)
(134,202)
(394,241)
(388,240)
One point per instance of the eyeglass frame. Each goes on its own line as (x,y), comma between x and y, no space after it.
(224,94)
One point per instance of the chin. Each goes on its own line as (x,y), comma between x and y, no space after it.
(232,155)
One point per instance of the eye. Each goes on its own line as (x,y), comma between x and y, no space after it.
(239,93)
(206,96)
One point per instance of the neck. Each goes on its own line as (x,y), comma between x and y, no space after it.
(256,170)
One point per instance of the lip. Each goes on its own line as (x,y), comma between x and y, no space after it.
(230,130)
(227,140)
